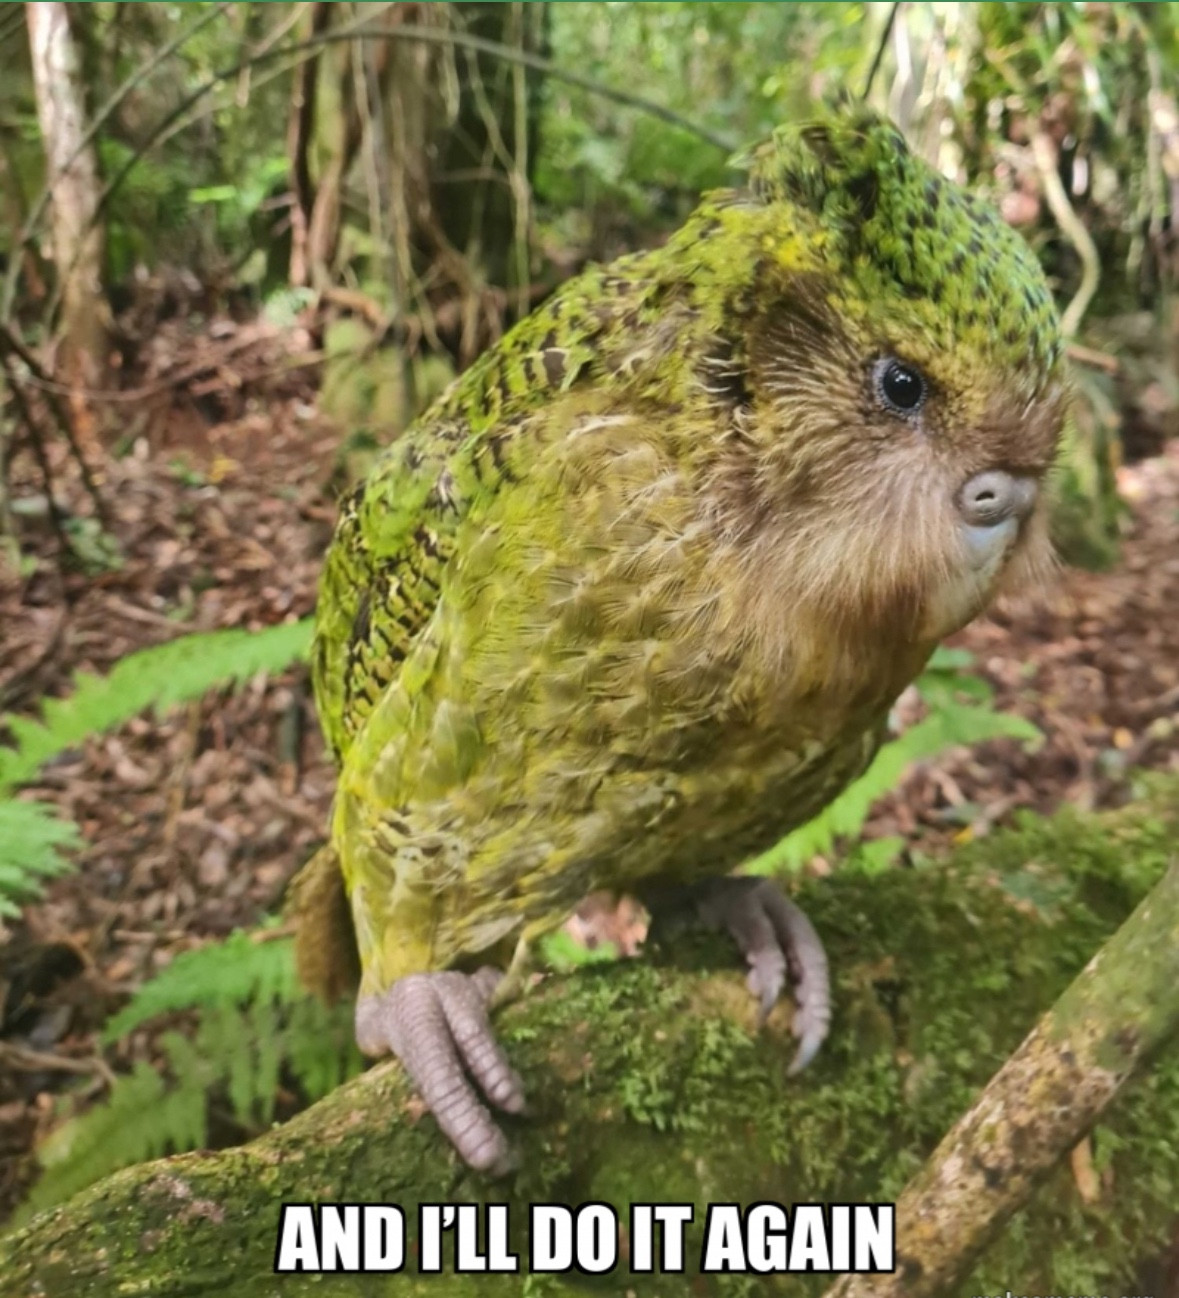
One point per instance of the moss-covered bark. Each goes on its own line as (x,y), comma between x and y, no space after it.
(1122,1007)
(647,1084)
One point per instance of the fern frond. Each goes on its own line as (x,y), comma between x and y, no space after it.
(160,677)
(248,1044)
(233,972)
(130,1126)
(193,1072)
(321,1046)
(32,840)
(255,1026)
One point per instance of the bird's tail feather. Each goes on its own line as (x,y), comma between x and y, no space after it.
(325,942)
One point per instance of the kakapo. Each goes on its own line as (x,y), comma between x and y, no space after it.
(632,599)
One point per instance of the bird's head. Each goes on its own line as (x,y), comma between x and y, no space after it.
(902,385)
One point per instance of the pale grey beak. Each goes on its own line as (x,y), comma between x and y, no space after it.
(992,506)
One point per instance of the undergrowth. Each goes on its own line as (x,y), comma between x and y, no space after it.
(255,1035)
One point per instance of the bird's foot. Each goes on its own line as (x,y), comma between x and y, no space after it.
(776,938)
(437,1024)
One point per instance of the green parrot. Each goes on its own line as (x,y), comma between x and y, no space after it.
(633,598)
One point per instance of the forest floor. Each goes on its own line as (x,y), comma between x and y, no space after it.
(194,822)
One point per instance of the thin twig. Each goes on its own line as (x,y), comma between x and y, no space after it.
(1073,229)
(37,445)
(521,186)
(878,57)
(22,1059)
(11,345)
(11,24)
(1094,359)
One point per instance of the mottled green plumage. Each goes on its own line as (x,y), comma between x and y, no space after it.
(586,623)
(892,223)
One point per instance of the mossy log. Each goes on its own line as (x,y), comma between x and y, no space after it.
(648,1084)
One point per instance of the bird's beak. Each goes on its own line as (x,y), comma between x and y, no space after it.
(990,509)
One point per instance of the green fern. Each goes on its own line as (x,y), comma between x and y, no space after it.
(159,677)
(242,968)
(134,1119)
(320,1046)
(32,840)
(254,1028)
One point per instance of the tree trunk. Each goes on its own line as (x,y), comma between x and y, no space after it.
(339,127)
(300,130)
(443,141)
(78,245)
(648,1084)
(493,139)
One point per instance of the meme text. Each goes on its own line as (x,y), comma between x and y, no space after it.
(760,1239)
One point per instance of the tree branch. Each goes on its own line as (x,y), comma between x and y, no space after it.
(11,346)
(1044,155)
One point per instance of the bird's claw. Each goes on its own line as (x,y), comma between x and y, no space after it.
(775,937)
(437,1024)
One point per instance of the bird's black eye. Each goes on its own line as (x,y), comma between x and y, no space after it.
(901,387)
